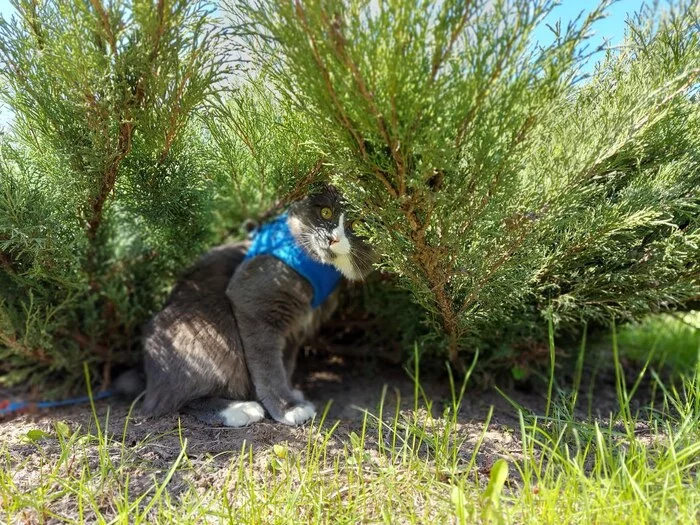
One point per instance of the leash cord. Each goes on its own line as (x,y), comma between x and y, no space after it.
(8,407)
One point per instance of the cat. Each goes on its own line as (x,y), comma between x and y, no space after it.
(224,347)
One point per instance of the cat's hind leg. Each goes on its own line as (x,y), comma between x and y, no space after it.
(217,411)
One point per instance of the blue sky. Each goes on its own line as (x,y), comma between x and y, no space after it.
(611,28)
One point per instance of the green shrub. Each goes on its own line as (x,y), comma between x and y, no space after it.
(497,187)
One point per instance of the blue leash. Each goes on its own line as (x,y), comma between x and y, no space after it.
(8,408)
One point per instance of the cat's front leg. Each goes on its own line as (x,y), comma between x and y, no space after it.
(264,355)
(270,302)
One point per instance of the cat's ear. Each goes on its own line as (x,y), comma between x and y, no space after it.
(248,226)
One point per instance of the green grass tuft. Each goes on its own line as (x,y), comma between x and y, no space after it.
(421,465)
(673,340)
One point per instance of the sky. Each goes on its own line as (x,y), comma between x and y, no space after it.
(610,29)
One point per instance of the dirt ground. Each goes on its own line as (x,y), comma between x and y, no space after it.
(349,385)
(147,449)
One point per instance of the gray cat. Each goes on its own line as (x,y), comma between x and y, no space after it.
(225,345)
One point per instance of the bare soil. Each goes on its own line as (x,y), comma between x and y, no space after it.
(348,386)
(144,450)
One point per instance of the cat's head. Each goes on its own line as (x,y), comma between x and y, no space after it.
(324,228)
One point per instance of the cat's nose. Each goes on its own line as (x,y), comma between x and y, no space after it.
(333,239)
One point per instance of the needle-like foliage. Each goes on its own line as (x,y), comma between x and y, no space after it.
(496,183)
(104,183)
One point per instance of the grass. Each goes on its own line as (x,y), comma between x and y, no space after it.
(672,340)
(638,465)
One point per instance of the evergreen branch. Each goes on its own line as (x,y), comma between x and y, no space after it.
(160,10)
(34,354)
(432,264)
(175,124)
(438,60)
(466,122)
(108,180)
(494,268)
(32,19)
(493,184)
(440,55)
(326,76)
(248,141)
(648,118)
(106,26)
(339,46)
(299,190)
(359,141)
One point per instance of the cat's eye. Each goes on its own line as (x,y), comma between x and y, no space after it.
(355,225)
(326,213)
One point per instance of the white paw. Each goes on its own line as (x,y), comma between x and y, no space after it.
(299,415)
(242,413)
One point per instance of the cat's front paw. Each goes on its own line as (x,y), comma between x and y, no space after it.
(242,413)
(298,414)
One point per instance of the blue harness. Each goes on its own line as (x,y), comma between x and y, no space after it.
(274,238)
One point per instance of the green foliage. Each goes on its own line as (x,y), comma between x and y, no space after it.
(671,341)
(259,149)
(105,191)
(496,185)
(493,183)
(124,162)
